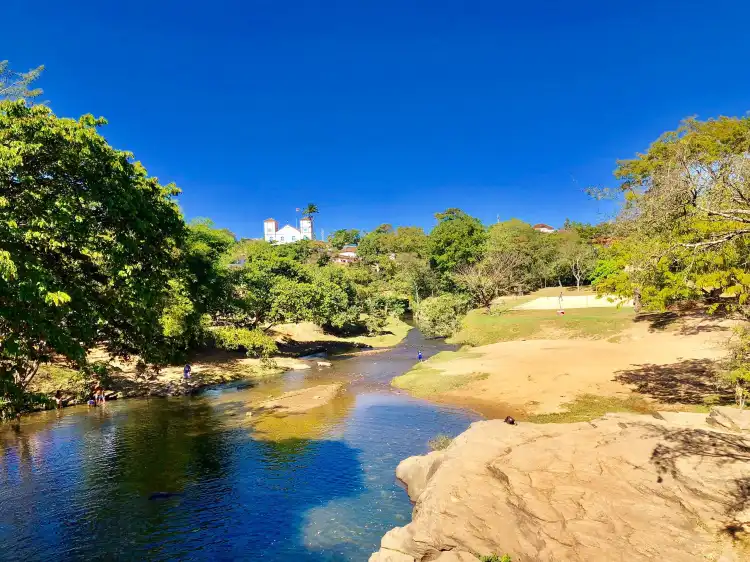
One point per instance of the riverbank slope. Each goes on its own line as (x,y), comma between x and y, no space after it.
(213,367)
(542,364)
(620,488)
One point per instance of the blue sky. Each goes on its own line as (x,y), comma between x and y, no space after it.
(385,111)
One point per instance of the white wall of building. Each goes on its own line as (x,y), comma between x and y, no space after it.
(287,234)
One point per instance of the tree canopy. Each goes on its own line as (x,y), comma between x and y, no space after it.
(88,243)
(458,239)
(344,237)
(15,85)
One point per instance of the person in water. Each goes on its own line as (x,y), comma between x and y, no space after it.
(186,371)
(419,355)
(58,399)
(99,395)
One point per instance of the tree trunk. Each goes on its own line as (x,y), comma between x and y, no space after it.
(637,305)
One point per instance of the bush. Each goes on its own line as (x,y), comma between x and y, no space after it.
(441,316)
(495,558)
(254,342)
(440,442)
(738,372)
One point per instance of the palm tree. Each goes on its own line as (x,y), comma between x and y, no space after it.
(310,210)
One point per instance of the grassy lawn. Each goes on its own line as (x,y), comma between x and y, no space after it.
(589,407)
(395,331)
(482,328)
(425,381)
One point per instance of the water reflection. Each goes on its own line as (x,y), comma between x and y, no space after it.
(317,486)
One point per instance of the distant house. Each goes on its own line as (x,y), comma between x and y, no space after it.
(347,254)
(541,227)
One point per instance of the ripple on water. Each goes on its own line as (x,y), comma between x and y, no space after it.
(317,488)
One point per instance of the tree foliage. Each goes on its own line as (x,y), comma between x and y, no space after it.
(685,218)
(441,316)
(457,240)
(88,243)
(344,237)
(15,85)
(310,210)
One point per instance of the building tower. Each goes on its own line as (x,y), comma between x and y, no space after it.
(306,228)
(270,226)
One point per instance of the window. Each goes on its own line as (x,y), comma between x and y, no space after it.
(294,238)
(281,238)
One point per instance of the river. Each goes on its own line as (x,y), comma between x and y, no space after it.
(320,486)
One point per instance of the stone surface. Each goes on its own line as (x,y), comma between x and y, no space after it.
(300,401)
(416,471)
(732,419)
(621,488)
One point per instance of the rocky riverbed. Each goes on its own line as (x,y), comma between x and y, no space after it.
(625,487)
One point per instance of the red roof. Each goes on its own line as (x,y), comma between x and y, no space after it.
(542,225)
(270,220)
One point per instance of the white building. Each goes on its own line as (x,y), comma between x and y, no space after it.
(288,234)
(545,228)
(348,254)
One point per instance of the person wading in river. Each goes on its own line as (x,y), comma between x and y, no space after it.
(99,395)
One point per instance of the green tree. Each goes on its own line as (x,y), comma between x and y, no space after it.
(684,225)
(88,244)
(378,243)
(344,237)
(517,244)
(457,240)
(441,316)
(578,255)
(205,257)
(410,240)
(310,210)
(15,85)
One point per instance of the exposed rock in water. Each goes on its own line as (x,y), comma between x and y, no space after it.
(620,488)
(299,401)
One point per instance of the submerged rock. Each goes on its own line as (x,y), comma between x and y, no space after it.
(299,401)
(620,488)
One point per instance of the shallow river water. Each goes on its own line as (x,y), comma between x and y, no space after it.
(318,486)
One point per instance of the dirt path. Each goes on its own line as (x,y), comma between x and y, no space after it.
(539,376)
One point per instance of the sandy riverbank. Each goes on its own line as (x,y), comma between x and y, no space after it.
(666,364)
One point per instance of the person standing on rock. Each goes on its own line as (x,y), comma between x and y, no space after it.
(186,371)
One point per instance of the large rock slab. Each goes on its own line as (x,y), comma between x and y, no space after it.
(621,488)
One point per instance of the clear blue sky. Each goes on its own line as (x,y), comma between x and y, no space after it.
(384,111)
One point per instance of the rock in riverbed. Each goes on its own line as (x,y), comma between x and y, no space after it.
(299,401)
(620,488)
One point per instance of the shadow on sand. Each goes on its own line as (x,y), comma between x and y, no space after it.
(687,382)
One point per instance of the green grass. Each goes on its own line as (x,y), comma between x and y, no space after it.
(440,442)
(588,407)
(495,558)
(396,328)
(52,378)
(481,328)
(425,381)
(445,356)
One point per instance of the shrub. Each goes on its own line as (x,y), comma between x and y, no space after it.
(254,342)
(738,372)
(441,316)
(440,442)
(495,558)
